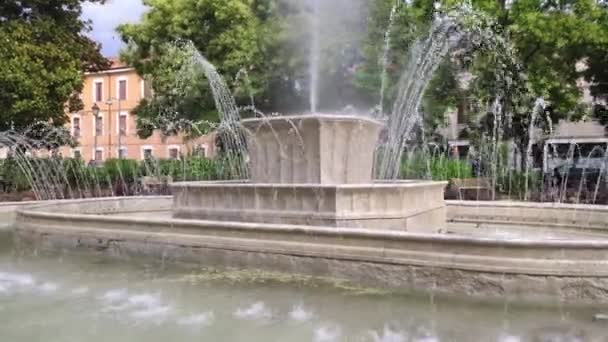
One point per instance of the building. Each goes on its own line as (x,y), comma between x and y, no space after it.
(113,133)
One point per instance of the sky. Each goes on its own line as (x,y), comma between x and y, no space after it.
(105,19)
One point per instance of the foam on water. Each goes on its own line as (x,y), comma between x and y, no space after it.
(509,338)
(144,300)
(388,335)
(300,314)
(205,318)
(156,312)
(141,307)
(145,303)
(18,279)
(327,334)
(116,295)
(257,310)
(48,287)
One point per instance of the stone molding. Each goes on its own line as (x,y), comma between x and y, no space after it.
(572,270)
(376,205)
(556,215)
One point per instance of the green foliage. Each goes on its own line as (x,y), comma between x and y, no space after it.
(121,170)
(223,30)
(191,169)
(12,176)
(175,99)
(43,52)
(551,38)
(435,167)
(519,185)
(442,95)
(411,21)
(42,135)
(115,176)
(261,47)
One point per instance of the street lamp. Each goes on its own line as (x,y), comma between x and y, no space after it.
(95,111)
(110,102)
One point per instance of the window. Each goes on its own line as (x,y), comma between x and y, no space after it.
(122,89)
(98,91)
(76,154)
(99,125)
(122,153)
(122,124)
(147,152)
(173,153)
(98,155)
(201,151)
(76,127)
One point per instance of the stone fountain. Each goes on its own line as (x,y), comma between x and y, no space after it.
(314,170)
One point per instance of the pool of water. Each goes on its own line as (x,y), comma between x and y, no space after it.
(83,297)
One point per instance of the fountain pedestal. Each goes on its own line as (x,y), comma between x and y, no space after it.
(312,149)
(314,170)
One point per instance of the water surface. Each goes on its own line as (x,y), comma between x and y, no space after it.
(83,297)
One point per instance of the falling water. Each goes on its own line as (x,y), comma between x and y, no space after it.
(47,177)
(464,28)
(243,76)
(425,57)
(602,173)
(315,52)
(497,110)
(539,108)
(229,128)
(385,60)
(35,169)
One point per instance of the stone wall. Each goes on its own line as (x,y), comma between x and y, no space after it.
(556,215)
(568,270)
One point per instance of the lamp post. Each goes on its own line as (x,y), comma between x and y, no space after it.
(95,111)
(110,102)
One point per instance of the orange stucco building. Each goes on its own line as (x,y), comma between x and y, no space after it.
(113,133)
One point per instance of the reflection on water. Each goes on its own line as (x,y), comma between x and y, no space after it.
(75,298)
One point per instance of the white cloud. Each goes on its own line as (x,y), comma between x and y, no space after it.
(105,19)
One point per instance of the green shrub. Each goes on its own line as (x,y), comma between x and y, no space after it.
(15,179)
(513,184)
(121,170)
(435,167)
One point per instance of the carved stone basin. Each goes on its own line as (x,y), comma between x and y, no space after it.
(312,149)
(314,170)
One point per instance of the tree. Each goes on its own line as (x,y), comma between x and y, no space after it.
(596,73)
(410,22)
(179,101)
(43,53)
(261,48)
(551,40)
(222,30)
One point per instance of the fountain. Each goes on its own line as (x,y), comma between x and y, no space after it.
(315,56)
(314,170)
(309,205)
